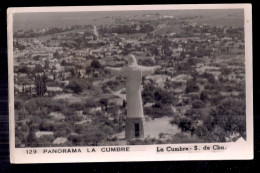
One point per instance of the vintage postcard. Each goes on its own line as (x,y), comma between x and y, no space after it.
(130,83)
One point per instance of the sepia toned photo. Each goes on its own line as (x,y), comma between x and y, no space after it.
(123,78)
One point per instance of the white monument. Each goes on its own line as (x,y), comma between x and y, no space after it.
(135,116)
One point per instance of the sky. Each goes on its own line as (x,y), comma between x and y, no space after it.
(26,21)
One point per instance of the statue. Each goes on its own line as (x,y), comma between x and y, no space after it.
(133,74)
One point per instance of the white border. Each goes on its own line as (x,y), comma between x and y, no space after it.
(235,151)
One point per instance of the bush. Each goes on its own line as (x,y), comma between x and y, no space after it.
(165,96)
(38,69)
(24,69)
(76,139)
(204,96)
(18,143)
(21,136)
(184,123)
(78,85)
(158,110)
(185,138)
(77,106)
(56,106)
(201,131)
(46,126)
(91,103)
(192,87)
(95,64)
(75,86)
(68,127)
(225,71)
(195,113)
(198,104)
(44,141)
(67,111)
(113,84)
(60,133)
(63,62)
(230,115)
(146,141)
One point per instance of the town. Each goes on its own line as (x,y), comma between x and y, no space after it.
(65,97)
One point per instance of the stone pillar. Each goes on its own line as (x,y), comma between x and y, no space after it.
(134,127)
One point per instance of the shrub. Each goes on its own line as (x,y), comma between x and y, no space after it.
(56,106)
(18,104)
(204,96)
(78,85)
(184,123)
(75,87)
(191,87)
(38,69)
(24,69)
(230,115)
(198,104)
(18,143)
(147,94)
(164,96)
(68,127)
(63,62)
(158,110)
(46,125)
(21,136)
(225,71)
(76,139)
(44,141)
(113,84)
(146,141)
(67,111)
(185,138)
(95,64)
(77,106)
(194,113)
(90,103)
(60,133)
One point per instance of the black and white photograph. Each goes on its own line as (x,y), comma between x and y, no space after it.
(114,78)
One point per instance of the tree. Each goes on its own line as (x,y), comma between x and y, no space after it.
(63,62)
(78,85)
(57,55)
(148,94)
(73,71)
(95,64)
(148,62)
(185,124)
(24,69)
(225,71)
(128,46)
(31,138)
(40,84)
(88,70)
(18,104)
(198,104)
(204,96)
(230,115)
(75,86)
(154,51)
(38,68)
(46,65)
(104,102)
(192,87)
